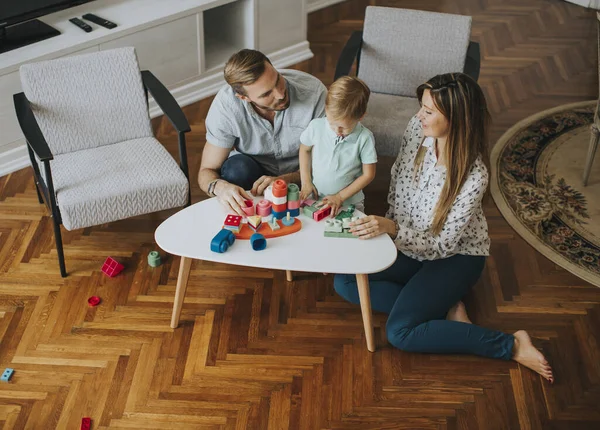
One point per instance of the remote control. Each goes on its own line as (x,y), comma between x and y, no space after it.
(79,23)
(100,21)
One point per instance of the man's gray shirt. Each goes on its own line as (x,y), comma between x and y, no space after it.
(233,123)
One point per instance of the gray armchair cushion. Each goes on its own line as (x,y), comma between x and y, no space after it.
(87,101)
(403,48)
(108,183)
(387,117)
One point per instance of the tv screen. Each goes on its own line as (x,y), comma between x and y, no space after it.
(15,11)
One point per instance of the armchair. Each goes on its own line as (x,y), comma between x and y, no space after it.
(94,156)
(398,50)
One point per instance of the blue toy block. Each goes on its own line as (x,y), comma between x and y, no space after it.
(279,215)
(7,374)
(294,212)
(222,241)
(258,242)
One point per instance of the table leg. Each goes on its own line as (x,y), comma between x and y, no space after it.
(289,276)
(182,281)
(364,296)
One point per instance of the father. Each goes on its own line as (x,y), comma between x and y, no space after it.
(253,127)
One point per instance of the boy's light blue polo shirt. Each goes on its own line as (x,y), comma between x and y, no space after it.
(337,165)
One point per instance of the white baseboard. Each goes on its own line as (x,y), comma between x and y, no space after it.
(14,159)
(314,5)
(17,158)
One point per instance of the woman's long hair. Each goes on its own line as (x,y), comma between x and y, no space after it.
(460,99)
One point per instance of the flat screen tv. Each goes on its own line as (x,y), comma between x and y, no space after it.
(18,26)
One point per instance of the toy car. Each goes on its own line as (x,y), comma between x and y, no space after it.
(222,241)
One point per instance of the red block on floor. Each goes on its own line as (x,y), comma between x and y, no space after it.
(112,267)
(86,423)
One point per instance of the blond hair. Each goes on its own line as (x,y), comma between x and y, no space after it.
(245,68)
(347,98)
(460,99)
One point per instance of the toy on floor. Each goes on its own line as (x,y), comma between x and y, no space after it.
(94,301)
(258,242)
(222,241)
(86,423)
(112,267)
(153,259)
(7,374)
(339,228)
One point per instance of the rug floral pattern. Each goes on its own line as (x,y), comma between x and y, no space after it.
(546,205)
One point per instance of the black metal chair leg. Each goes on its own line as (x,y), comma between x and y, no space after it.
(37,188)
(59,248)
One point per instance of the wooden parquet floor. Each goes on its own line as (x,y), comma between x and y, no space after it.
(254,351)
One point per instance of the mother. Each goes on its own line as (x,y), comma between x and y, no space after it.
(436,220)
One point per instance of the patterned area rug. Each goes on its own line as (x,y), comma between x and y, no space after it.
(537,169)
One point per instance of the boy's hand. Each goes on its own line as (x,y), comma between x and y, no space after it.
(307,189)
(334,202)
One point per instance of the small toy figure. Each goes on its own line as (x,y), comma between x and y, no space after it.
(112,267)
(222,241)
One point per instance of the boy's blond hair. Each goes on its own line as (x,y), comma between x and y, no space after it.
(347,98)
(245,68)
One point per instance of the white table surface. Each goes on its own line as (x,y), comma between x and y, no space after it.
(189,232)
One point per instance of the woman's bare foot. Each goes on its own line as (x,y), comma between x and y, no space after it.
(528,355)
(458,313)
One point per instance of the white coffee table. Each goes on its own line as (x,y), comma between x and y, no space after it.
(189,232)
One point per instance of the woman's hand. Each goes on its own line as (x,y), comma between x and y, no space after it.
(334,201)
(373,225)
(307,189)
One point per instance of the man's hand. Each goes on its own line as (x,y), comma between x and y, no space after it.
(334,201)
(307,189)
(232,197)
(261,184)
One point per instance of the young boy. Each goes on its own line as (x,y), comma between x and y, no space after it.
(337,153)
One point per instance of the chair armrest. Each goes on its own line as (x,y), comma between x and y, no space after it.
(166,102)
(350,53)
(473,60)
(30,128)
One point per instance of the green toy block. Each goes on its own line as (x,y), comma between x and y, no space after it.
(344,234)
(348,213)
(309,210)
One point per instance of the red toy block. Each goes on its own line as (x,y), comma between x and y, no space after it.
(112,267)
(86,423)
(94,301)
(322,213)
(233,220)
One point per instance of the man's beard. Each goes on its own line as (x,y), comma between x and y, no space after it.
(274,109)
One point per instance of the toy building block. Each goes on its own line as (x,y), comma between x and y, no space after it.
(346,222)
(112,267)
(94,301)
(86,423)
(154,259)
(348,213)
(333,226)
(288,220)
(248,207)
(307,202)
(263,208)
(294,212)
(309,210)
(258,242)
(7,374)
(279,215)
(293,204)
(344,234)
(222,241)
(322,213)
(268,193)
(273,224)
(254,222)
(232,221)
